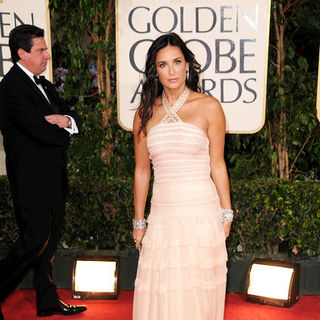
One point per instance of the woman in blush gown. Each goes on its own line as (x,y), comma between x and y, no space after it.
(182,265)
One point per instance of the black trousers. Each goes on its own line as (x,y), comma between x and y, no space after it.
(40,233)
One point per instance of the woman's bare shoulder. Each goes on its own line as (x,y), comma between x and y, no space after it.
(207,103)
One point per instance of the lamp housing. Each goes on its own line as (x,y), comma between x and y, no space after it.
(273,282)
(95,277)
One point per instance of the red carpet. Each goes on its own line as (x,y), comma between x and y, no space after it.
(23,302)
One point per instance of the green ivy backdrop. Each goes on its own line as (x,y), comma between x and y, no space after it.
(272,218)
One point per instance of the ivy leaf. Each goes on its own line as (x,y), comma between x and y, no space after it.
(281,91)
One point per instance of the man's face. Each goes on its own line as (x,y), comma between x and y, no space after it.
(36,60)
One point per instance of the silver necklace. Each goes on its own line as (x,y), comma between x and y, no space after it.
(171,112)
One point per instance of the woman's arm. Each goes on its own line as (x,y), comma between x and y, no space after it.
(141,178)
(216,134)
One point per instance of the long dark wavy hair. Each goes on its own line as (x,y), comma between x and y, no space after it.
(152,87)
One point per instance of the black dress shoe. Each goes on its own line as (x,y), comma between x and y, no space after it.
(60,308)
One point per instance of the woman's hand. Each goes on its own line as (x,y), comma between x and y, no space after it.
(226,228)
(138,235)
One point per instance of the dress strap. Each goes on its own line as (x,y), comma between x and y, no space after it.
(171,112)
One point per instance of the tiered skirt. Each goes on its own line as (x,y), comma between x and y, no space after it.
(182,266)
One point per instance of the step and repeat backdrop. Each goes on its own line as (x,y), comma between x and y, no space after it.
(12,14)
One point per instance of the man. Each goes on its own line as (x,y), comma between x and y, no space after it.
(36,129)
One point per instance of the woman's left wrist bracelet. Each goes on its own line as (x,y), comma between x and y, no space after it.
(227,215)
(139,224)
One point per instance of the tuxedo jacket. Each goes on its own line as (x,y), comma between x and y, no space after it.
(35,149)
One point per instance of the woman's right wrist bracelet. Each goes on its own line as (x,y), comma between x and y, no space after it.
(139,224)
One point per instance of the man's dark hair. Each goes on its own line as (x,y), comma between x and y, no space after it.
(21,38)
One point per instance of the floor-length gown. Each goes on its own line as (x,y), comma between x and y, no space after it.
(182,265)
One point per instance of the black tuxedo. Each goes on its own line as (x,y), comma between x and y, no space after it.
(35,149)
(37,171)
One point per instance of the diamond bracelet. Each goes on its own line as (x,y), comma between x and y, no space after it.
(227,215)
(139,224)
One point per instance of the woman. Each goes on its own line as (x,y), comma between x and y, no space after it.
(182,266)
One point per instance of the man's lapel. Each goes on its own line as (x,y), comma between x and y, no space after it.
(33,87)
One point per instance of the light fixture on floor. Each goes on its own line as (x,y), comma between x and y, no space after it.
(95,277)
(273,282)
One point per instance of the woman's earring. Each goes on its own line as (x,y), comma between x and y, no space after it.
(187,75)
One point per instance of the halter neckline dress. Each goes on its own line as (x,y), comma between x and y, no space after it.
(182,265)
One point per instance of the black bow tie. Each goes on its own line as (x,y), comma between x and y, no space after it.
(41,80)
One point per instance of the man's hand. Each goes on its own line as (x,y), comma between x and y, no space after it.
(58,119)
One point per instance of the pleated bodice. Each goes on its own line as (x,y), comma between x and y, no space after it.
(179,151)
